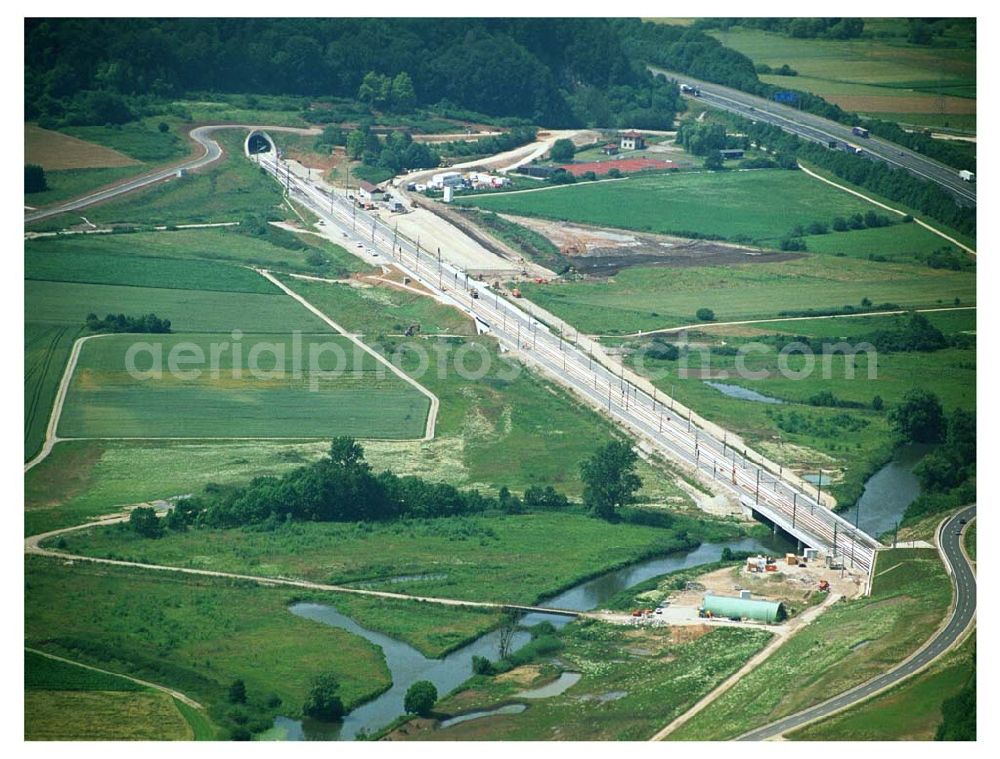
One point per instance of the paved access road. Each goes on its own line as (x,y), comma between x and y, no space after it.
(963,615)
(821,130)
(211,152)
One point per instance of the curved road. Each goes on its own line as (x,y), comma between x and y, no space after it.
(211,152)
(818,129)
(962,617)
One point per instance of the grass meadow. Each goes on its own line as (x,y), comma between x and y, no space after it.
(64,184)
(503,558)
(848,644)
(910,711)
(634,681)
(171,274)
(373,311)
(195,635)
(648,298)
(761,205)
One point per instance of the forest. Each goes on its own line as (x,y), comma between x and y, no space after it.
(557,72)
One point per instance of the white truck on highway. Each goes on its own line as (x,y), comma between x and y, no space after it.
(967,176)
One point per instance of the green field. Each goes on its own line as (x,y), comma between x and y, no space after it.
(145,258)
(647,298)
(141,140)
(886,77)
(762,205)
(46,351)
(55,313)
(64,184)
(517,559)
(62,263)
(68,303)
(170,274)
(634,682)
(55,715)
(196,635)
(848,644)
(84,479)
(909,712)
(898,243)
(933,223)
(305,386)
(508,429)
(848,444)
(70,702)
(374,311)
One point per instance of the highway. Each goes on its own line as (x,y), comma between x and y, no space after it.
(651,418)
(818,129)
(211,152)
(962,616)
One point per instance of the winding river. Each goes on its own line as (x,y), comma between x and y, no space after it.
(407,665)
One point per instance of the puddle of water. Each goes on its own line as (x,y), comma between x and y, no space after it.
(508,709)
(744,394)
(613,695)
(556,688)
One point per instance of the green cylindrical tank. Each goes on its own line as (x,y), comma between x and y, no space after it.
(744,608)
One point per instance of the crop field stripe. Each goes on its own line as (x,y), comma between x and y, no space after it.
(42,368)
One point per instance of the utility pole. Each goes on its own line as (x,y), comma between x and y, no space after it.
(756,492)
(794,504)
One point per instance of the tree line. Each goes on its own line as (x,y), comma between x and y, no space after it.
(125,323)
(341,487)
